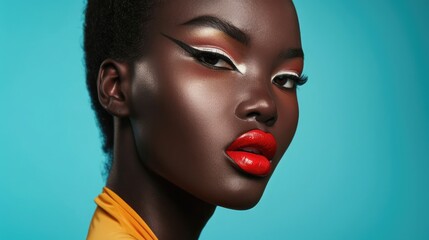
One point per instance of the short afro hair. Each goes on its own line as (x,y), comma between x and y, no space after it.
(112,29)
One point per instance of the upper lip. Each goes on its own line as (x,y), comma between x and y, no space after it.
(255,141)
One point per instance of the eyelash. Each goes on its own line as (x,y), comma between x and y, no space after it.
(202,55)
(205,56)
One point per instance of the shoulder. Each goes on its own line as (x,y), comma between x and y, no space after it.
(114,219)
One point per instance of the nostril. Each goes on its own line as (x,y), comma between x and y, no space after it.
(253,115)
(267,120)
(270,122)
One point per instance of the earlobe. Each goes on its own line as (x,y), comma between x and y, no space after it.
(113,85)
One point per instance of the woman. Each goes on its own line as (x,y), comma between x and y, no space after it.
(197,103)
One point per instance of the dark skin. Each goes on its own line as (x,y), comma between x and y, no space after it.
(175,114)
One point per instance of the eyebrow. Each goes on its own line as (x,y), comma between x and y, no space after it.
(292,53)
(222,25)
(236,33)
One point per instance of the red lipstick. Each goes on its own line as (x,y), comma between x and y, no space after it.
(252,152)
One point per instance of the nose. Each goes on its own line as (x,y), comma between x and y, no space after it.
(259,105)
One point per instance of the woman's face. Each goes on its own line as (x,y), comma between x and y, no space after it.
(213,100)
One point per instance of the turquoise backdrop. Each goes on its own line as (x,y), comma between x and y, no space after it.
(357,169)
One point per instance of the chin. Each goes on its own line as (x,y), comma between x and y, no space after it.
(241,195)
(241,203)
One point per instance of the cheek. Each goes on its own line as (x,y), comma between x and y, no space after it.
(182,125)
(288,113)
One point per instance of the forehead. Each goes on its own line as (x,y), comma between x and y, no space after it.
(268,20)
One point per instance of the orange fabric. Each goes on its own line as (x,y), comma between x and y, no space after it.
(115,219)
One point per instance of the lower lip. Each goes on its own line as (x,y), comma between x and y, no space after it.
(251,163)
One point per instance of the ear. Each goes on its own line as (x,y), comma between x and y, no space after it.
(113,85)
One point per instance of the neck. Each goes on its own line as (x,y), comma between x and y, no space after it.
(169,211)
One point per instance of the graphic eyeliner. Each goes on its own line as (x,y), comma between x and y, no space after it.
(199,55)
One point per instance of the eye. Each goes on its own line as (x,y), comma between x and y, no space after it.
(289,80)
(213,59)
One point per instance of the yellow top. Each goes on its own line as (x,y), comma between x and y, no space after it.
(115,219)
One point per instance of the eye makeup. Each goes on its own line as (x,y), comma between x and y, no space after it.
(289,79)
(217,59)
(211,57)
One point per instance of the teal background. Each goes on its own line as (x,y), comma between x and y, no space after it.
(357,169)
